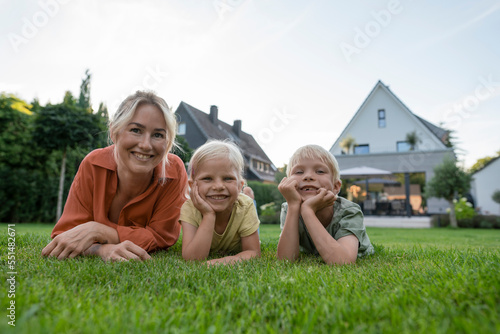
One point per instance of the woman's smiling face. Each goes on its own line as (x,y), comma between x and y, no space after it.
(141,144)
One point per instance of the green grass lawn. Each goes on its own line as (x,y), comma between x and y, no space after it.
(419,281)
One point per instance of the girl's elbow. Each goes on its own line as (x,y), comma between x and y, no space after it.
(190,257)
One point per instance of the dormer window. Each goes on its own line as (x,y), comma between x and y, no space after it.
(181,130)
(381,118)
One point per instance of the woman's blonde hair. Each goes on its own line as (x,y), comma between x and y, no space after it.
(315,152)
(217,149)
(126,112)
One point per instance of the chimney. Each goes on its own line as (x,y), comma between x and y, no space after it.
(237,127)
(214,114)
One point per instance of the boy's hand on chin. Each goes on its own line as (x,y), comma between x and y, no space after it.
(324,198)
(289,189)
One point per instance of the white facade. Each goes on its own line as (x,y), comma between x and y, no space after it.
(381,141)
(399,121)
(485,182)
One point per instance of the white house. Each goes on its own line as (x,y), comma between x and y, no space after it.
(484,183)
(380,127)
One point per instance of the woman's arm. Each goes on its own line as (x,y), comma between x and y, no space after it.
(250,246)
(163,229)
(77,240)
(123,251)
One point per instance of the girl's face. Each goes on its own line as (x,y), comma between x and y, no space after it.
(142,144)
(219,183)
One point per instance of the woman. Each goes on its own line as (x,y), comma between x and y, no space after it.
(126,198)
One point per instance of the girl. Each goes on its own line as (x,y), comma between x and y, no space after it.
(218,217)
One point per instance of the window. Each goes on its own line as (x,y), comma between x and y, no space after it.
(403,146)
(362,149)
(381,118)
(181,130)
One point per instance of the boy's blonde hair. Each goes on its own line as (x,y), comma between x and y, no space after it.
(214,149)
(315,152)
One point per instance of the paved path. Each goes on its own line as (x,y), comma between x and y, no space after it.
(403,222)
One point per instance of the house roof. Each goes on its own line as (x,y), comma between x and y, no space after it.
(487,164)
(440,133)
(222,130)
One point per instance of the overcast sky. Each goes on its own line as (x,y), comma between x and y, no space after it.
(295,72)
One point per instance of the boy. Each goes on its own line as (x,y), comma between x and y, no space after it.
(314,218)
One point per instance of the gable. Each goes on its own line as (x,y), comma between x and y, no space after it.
(492,165)
(201,129)
(399,121)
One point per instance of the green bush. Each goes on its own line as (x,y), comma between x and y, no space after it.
(478,221)
(265,194)
(269,214)
(464,209)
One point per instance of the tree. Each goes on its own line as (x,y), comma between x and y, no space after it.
(62,127)
(480,163)
(84,99)
(182,149)
(449,182)
(496,196)
(412,139)
(280,174)
(347,143)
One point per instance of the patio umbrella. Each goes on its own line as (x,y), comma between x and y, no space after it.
(378,181)
(363,172)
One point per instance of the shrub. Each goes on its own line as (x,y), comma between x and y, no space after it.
(269,199)
(464,209)
(478,221)
(269,214)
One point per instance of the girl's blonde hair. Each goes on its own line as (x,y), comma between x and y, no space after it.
(126,112)
(315,152)
(217,149)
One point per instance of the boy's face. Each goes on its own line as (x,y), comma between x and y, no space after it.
(219,184)
(311,175)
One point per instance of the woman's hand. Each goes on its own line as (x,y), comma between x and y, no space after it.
(289,189)
(123,251)
(324,198)
(199,203)
(77,240)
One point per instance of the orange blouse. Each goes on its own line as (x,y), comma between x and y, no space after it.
(150,220)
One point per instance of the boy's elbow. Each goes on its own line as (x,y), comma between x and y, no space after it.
(287,257)
(340,262)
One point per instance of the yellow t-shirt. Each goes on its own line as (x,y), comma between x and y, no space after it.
(243,222)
